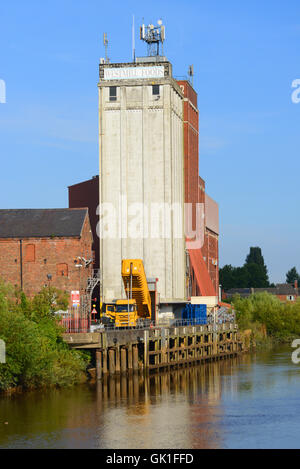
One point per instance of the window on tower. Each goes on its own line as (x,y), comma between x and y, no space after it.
(113,93)
(155,90)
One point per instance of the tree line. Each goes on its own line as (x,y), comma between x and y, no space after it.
(253,274)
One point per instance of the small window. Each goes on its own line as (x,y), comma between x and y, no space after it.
(113,93)
(30,253)
(62,270)
(155,90)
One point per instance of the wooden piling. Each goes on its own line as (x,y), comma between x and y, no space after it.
(104,365)
(135,354)
(123,360)
(111,361)
(146,351)
(118,367)
(98,364)
(130,358)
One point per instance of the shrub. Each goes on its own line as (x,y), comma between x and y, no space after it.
(35,352)
(281,320)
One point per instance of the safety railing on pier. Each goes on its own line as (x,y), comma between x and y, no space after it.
(74,322)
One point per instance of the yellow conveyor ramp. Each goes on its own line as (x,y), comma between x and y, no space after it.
(136,286)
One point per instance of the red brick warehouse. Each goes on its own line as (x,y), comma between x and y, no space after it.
(42,247)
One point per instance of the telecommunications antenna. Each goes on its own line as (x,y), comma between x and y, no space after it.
(153,36)
(191,74)
(105,43)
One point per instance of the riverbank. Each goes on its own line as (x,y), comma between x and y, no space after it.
(265,321)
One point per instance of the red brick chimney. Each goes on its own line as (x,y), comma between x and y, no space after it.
(296,284)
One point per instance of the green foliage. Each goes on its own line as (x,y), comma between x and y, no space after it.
(292,275)
(253,274)
(281,320)
(255,256)
(35,352)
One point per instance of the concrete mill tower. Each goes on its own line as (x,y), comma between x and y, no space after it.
(142,172)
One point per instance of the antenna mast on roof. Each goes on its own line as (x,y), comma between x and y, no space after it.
(153,36)
(191,74)
(105,43)
(133,40)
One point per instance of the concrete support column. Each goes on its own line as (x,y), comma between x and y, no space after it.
(98,364)
(111,360)
(123,360)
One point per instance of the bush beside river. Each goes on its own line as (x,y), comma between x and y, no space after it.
(36,355)
(270,320)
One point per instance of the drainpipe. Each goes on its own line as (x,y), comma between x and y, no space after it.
(21,263)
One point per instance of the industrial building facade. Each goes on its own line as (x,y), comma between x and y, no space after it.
(141,175)
(149,158)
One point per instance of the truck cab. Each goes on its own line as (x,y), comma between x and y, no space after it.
(126,313)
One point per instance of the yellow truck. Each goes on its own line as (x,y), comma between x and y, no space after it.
(137,307)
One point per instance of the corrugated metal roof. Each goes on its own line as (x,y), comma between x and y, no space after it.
(42,223)
(201,273)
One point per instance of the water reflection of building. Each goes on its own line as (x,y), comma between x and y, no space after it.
(176,409)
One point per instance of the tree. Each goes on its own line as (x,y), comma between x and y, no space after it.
(233,277)
(257,270)
(292,275)
(257,276)
(253,274)
(227,278)
(255,256)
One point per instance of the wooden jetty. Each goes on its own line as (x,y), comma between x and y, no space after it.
(146,350)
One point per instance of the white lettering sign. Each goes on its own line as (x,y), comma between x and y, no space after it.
(131,73)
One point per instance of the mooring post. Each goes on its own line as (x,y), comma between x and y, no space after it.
(98,364)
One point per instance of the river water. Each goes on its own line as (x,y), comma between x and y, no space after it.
(252,401)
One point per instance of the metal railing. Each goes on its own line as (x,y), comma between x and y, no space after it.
(75,321)
(162,323)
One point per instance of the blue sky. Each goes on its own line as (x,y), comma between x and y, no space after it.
(245,56)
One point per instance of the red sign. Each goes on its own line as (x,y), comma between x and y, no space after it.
(75,297)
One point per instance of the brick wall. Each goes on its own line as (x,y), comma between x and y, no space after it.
(43,256)
(86,194)
(210,253)
(191,146)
